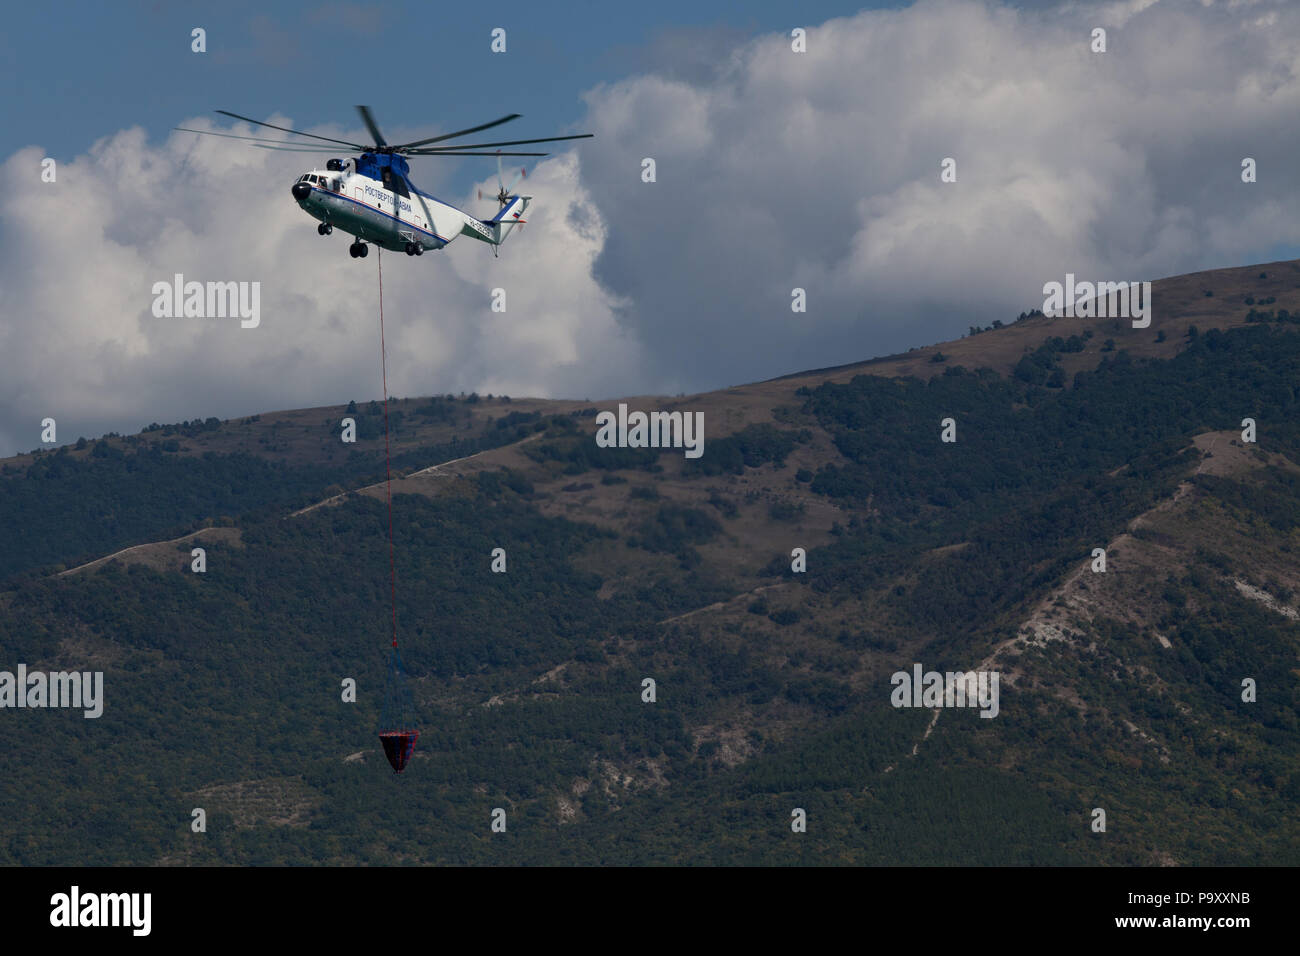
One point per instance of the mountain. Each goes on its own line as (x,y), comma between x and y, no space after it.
(774,688)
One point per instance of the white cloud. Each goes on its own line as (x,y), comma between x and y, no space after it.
(821,170)
(1119,12)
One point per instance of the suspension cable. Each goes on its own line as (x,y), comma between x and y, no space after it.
(388,467)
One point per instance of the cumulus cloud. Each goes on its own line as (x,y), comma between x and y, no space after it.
(821,170)
(775,170)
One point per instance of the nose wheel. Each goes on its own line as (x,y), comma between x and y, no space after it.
(358,250)
(324,229)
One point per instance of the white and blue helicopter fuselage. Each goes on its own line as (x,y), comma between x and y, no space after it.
(384,209)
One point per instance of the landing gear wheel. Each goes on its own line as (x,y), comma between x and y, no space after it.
(419,249)
(411,249)
(356,250)
(324,229)
(364,250)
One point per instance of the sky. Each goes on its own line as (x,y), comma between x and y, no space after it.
(775,170)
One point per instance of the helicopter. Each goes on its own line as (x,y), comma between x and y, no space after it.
(371,197)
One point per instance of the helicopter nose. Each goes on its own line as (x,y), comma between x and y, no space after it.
(301,190)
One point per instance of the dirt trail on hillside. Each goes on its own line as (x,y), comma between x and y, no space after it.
(140,550)
(719,605)
(423,472)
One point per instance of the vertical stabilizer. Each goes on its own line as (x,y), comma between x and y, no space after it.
(510,217)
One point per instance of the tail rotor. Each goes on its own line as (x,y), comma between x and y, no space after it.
(504,192)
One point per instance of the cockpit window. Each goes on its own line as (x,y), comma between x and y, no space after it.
(395,183)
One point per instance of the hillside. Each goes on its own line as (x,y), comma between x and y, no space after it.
(1120,690)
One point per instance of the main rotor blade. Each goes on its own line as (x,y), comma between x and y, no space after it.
(463,132)
(440,152)
(510,142)
(296,149)
(208,132)
(285,129)
(372,126)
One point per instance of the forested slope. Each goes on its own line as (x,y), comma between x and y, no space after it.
(1121,690)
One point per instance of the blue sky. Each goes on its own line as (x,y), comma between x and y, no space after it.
(81,71)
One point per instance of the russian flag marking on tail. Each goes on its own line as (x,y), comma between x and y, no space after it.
(510,215)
